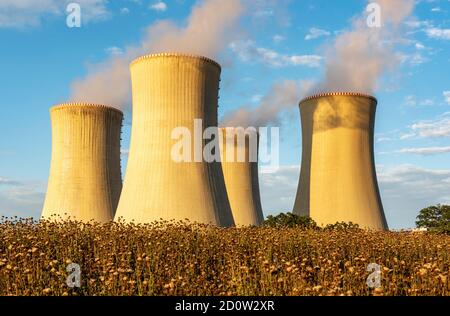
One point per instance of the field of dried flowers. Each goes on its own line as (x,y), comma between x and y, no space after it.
(176,259)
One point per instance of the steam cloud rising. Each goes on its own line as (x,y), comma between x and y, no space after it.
(209,29)
(359,57)
(355,62)
(281,97)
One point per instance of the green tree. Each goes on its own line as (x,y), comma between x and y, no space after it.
(435,218)
(290,220)
(342,226)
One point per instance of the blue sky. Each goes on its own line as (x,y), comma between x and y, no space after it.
(41,57)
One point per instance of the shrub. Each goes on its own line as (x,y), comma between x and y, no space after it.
(342,226)
(290,220)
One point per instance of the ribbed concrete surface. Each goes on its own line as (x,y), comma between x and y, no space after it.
(169,91)
(338,180)
(241,176)
(85,176)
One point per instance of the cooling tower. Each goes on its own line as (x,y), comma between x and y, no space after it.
(85,176)
(240,169)
(338,181)
(171,91)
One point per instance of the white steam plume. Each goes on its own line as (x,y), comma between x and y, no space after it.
(281,97)
(208,31)
(360,57)
(355,62)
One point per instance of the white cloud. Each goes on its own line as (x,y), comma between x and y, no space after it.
(407,136)
(114,50)
(436,9)
(411,100)
(415,24)
(438,33)
(447,96)
(278,189)
(7,182)
(124,10)
(21,199)
(439,127)
(273,11)
(204,32)
(316,33)
(247,51)
(278,38)
(387,136)
(159,6)
(425,151)
(406,189)
(282,97)
(26,13)
(256,98)
(419,46)
(413,59)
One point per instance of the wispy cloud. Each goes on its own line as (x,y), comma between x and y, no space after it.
(124,10)
(275,11)
(247,51)
(411,100)
(406,189)
(416,24)
(438,33)
(159,6)
(316,33)
(440,127)
(22,199)
(281,97)
(278,189)
(114,51)
(26,13)
(447,96)
(413,59)
(8,182)
(425,151)
(278,38)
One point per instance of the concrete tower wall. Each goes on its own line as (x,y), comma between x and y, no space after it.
(85,176)
(338,181)
(170,91)
(241,176)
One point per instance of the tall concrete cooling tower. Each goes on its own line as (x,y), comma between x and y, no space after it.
(85,176)
(239,156)
(338,181)
(171,91)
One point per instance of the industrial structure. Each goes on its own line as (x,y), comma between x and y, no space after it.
(85,176)
(338,180)
(170,91)
(239,156)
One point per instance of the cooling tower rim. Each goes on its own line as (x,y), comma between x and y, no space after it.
(85,105)
(341,93)
(174,54)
